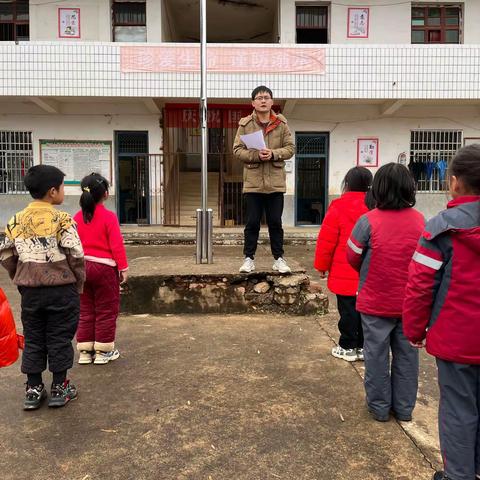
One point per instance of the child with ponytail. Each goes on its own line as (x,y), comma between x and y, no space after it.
(331,256)
(442,306)
(106,268)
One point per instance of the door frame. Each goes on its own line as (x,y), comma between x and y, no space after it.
(327,169)
(116,134)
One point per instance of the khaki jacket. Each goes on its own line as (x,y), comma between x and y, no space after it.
(260,176)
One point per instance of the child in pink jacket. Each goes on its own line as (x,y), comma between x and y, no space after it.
(106,268)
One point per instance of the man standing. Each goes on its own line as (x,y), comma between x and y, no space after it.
(264,179)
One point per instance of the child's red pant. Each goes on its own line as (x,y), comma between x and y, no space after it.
(99,307)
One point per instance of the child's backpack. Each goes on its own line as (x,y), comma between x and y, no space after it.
(10,341)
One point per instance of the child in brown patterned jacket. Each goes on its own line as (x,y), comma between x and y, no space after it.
(43,256)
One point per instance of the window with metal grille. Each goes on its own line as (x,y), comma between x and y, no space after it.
(129,21)
(312,24)
(436,23)
(16,157)
(430,154)
(132,143)
(14,21)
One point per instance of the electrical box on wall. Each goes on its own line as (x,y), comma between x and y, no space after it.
(288,166)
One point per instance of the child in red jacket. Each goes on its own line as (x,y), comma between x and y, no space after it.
(106,268)
(330,256)
(10,341)
(380,247)
(442,304)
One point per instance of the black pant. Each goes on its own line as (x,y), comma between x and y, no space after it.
(272,205)
(50,317)
(350,323)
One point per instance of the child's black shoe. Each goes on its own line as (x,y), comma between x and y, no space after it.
(62,393)
(440,476)
(34,397)
(379,417)
(402,417)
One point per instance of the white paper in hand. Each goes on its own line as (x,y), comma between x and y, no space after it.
(254,140)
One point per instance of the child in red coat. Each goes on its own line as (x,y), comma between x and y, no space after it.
(10,341)
(380,248)
(442,305)
(330,256)
(106,268)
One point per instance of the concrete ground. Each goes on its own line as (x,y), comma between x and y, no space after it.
(217,397)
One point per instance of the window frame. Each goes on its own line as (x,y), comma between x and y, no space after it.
(15,146)
(432,145)
(126,24)
(15,21)
(443,27)
(325,5)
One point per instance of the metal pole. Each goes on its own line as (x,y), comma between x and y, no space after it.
(198,239)
(203,100)
(210,235)
(204,251)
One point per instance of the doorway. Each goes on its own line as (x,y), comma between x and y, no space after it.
(132,177)
(182,163)
(311,160)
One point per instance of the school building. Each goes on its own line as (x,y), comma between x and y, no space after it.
(113,86)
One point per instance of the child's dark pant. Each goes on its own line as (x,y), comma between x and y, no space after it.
(458,418)
(50,318)
(350,323)
(389,388)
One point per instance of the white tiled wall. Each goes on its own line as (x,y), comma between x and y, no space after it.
(363,72)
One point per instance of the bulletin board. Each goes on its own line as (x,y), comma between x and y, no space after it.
(78,158)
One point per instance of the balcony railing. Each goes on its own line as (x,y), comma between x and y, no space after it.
(350,72)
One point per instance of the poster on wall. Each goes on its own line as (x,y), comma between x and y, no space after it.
(367,152)
(358,19)
(78,158)
(69,23)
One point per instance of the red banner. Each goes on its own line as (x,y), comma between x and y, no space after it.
(216,117)
(245,59)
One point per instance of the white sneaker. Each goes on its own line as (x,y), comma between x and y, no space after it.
(85,357)
(360,356)
(101,358)
(349,355)
(280,265)
(247,266)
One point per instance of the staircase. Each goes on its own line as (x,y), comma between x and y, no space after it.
(190,197)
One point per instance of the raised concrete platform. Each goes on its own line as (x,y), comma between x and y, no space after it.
(159,235)
(178,285)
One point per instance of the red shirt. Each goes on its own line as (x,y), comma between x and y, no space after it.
(101,238)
